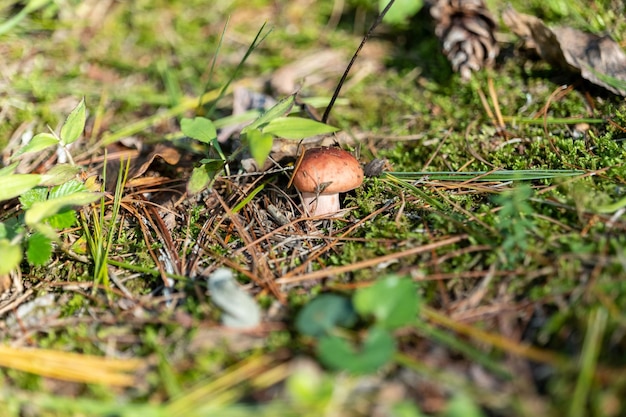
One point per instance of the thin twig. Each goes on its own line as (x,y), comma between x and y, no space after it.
(377,22)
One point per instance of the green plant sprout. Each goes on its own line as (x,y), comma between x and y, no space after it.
(258,137)
(102,231)
(48,200)
(514,222)
(390,303)
(71,130)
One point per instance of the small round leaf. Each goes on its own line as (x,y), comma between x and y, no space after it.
(393,301)
(199,128)
(324,313)
(376,351)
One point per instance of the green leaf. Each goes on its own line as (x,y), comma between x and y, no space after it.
(297,128)
(461,405)
(74,124)
(11,228)
(66,217)
(323,313)
(63,219)
(38,143)
(401,11)
(42,209)
(17,184)
(260,145)
(59,174)
(39,249)
(32,196)
(200,178)
(67,188)
(199,128)
(376,351)
(9,169)
(11,256)
(280,109)
(393,301)
(46,230)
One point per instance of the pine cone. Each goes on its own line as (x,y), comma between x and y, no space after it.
(466,30)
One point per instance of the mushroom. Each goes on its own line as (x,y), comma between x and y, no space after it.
(322,174)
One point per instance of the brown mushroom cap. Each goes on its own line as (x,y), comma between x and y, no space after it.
(327,170)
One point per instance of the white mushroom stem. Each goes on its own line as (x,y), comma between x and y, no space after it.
(320,204)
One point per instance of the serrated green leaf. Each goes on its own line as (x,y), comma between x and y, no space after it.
(376,351)
(32,196)
(11,228)
(74,124)
(37,143)
(67,188)
(42,209)
(59,174)
(260,145)
(63,219)
(323,313)
(393,301)
(401,11)
(280,109)
(11,256)
(39,249)
(297,128)
(14,185)
(199,128)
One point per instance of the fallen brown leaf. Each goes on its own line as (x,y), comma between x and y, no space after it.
(595,58)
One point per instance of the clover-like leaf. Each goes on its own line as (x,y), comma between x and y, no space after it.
(393,301)
(297,128)
(74,124)
(323,313)
(39,249)
(338,353)
(199,128)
